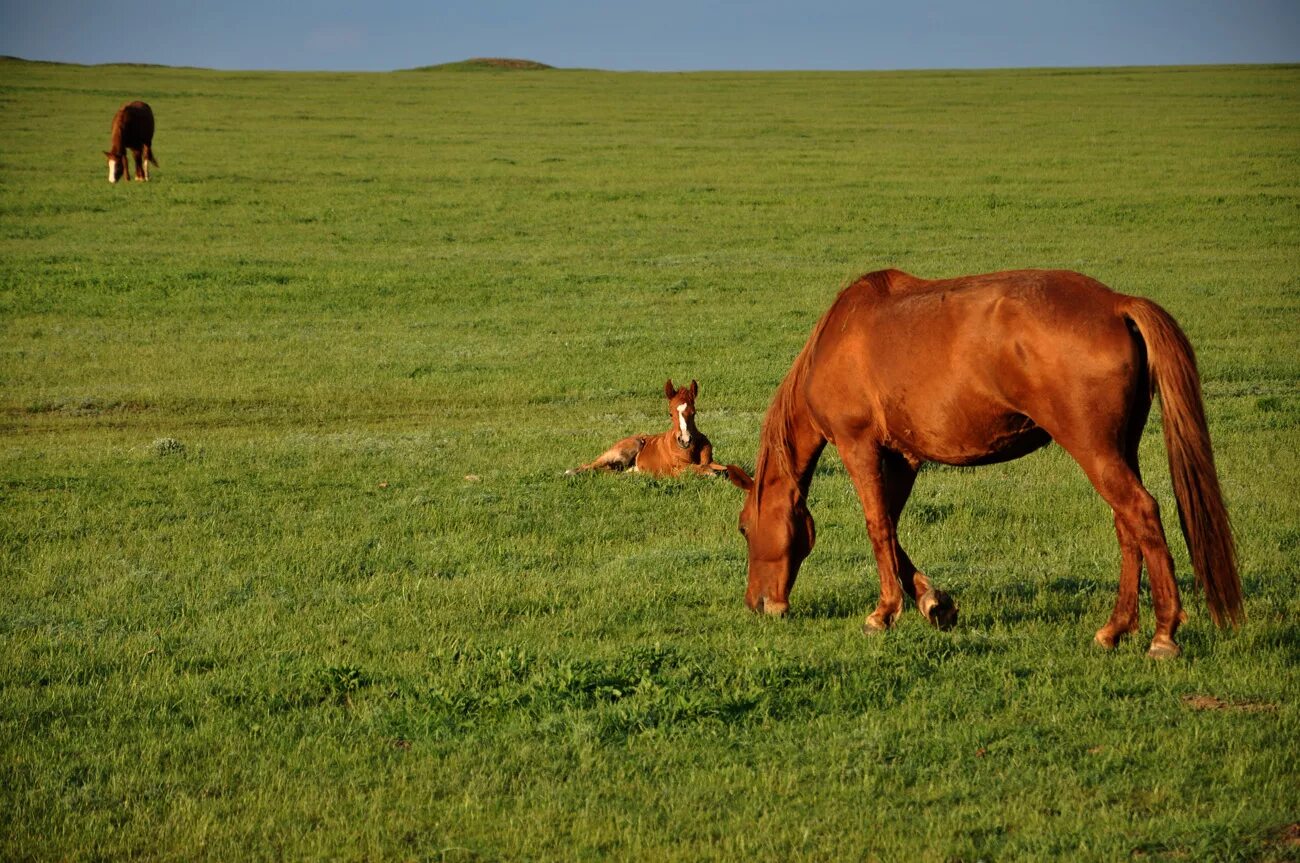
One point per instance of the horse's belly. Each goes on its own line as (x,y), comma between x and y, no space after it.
(966,440)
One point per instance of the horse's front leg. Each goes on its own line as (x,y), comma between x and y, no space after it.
(865,464)
(936,605)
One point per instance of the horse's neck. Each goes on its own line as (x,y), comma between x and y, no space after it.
(790,452)
(115,142)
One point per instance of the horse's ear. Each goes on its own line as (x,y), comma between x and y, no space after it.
(108,154)
(736,476)
(695,388)
(669,389)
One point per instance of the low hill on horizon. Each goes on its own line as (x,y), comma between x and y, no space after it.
(485,64)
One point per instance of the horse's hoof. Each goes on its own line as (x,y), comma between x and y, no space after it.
(1163,648)
(1105,639)
(1109,638)
(938,608)
(876,623)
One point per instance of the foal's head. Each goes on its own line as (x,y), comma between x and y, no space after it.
(116,165)
(681,407)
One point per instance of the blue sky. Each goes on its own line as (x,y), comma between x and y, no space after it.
(665,35)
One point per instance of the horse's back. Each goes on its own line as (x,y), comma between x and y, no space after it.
(135,120)
(964,370)
(909,324)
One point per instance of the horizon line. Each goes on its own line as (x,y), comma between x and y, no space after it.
(436,67)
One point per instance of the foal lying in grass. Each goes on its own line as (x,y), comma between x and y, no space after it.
(682,448)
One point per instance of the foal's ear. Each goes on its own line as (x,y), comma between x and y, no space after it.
(669,389)
(695,388)
(736,476)
(108,154)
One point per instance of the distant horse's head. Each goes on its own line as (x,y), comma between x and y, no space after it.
(681,407)
(116,165)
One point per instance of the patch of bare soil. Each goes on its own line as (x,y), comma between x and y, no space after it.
(1210,702)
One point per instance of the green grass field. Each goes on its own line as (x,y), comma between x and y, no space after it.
(359,614)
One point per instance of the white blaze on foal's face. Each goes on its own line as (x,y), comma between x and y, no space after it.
(681,423)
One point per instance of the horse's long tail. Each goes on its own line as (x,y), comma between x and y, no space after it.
(1201,512)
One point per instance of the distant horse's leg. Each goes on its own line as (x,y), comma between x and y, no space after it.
(865,464)
(139,165)
(620,456)
(936,605)
(146,156)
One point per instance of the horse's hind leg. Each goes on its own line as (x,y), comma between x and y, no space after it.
(619,457)
(146,156)
(1124,619)
(1142,540)
(141,173)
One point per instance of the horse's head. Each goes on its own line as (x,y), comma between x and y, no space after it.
(779,534)
(775,521)
(681,407)
(116,165)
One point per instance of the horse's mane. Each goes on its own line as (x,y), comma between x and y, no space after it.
(776,438)
(778,425)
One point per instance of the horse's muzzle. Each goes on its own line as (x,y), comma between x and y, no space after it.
(771,607)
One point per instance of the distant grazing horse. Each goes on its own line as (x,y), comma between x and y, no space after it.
(132,130)
(680,448)
(983,369)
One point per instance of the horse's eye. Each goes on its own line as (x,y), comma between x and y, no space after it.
(744,531)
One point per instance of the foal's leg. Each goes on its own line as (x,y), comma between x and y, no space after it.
(865,465)
(620,456)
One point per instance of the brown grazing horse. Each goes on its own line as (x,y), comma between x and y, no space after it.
(132,130)
(983,369)
(681,448)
